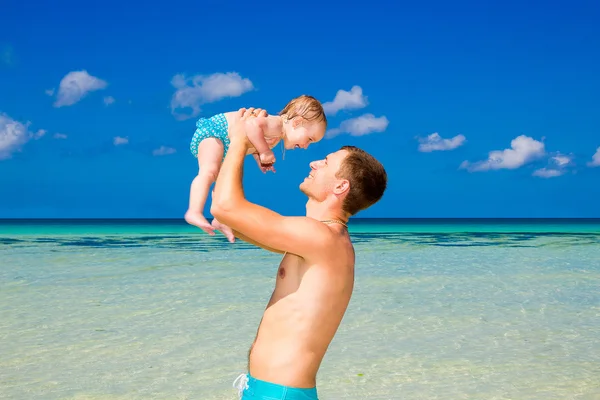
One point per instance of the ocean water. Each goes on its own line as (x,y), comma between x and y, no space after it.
(442,309)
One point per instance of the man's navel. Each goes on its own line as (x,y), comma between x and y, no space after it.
(281,272)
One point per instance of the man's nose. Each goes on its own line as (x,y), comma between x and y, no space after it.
(315,164)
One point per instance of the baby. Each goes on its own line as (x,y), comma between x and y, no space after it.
(299,124)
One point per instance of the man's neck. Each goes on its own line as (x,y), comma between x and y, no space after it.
(323,211)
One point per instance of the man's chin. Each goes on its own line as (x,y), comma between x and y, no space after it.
(303,188)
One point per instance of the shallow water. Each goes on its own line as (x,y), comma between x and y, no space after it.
(435,315)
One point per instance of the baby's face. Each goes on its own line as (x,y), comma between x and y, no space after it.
(304,134)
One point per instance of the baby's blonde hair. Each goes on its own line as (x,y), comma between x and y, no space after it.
(306,107)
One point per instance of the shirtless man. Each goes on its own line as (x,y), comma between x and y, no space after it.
(316,275)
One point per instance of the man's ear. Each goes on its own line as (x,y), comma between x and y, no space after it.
(342,186)
(297,121)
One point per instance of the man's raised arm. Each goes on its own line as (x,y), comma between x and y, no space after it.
(261,245)
(302,236)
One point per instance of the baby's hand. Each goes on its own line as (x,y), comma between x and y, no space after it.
(267,159)
(264,166)
(264,169)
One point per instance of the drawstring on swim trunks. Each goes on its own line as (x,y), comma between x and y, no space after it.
(241,384)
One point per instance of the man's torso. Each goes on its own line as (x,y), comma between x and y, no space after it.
(302,316)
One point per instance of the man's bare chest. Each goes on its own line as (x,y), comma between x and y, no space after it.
(289,274)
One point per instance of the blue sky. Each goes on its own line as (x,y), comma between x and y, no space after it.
(476,108)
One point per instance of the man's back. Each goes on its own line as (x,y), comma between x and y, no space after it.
(303,314)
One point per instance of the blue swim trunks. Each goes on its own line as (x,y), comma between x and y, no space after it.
(215,126)
(253,389)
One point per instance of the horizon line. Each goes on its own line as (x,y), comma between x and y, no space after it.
(351,219)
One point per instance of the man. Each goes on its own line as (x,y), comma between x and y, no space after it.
(316,275)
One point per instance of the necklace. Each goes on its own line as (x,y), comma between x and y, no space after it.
(335,221)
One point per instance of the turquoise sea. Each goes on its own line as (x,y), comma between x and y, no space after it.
(443,309)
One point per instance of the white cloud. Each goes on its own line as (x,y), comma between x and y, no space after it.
(595,159)
(120,140)
(200,89)
(108,100)
(547,173)
(523,150)
(344,100)
(14,134)
(39,133)
(558,167)
(49,92)
(435,142)
(359,126)
(163,151)
(60,136)
(75,86)
(561,160)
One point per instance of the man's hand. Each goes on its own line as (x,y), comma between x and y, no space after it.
(248,112)
(238,133)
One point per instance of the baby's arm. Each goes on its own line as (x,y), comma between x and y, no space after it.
(263,168)
(255,130)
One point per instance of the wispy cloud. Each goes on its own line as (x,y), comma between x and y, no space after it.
(595,159)
(352,100)
(108,100)
(435,142)
(558,166)
(359,126)
(60,136)
(547,173)
(523,150)
(194,91)
(117,141)
(75,86)
(14,134)
(163,151)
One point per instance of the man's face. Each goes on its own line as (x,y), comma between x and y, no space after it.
(321,180)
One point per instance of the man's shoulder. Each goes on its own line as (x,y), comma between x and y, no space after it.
(305,223)
(337,256)
(310,228)
(325,241)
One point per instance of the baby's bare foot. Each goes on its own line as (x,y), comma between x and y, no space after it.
(197,219)
(224,229)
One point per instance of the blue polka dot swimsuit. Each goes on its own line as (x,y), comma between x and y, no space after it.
(216,127)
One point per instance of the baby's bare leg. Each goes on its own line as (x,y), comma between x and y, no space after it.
(210,155)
